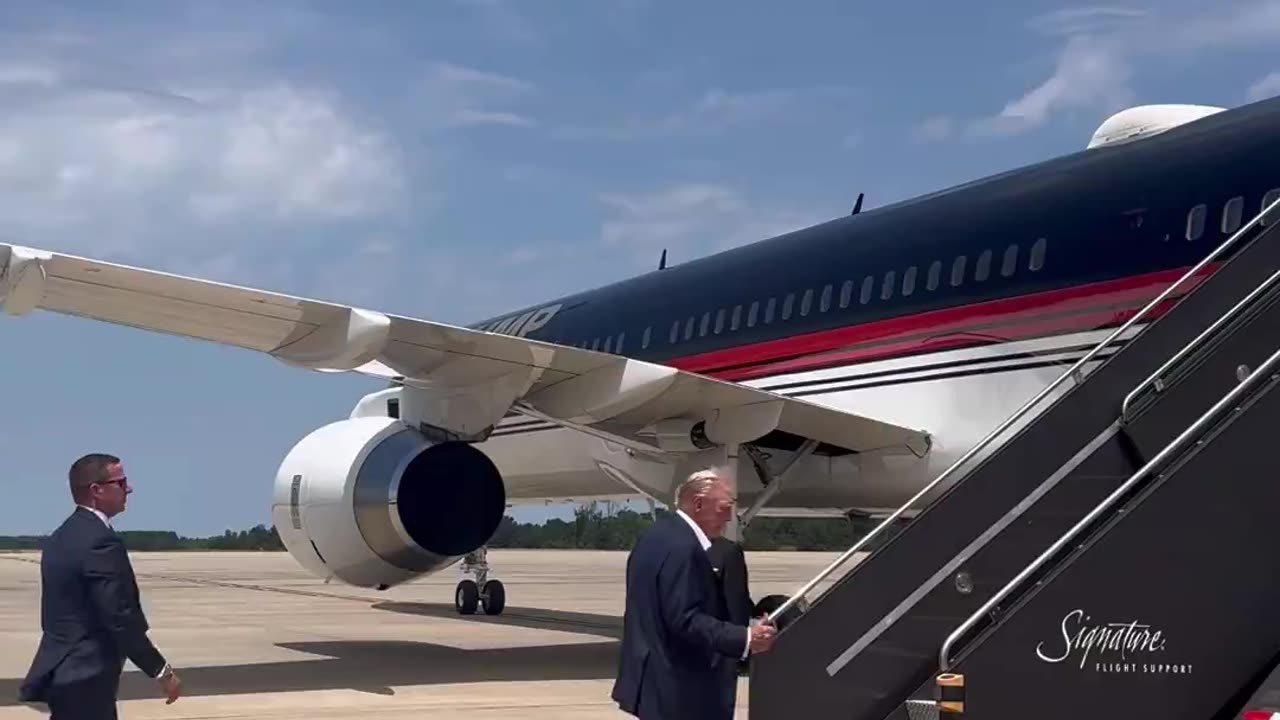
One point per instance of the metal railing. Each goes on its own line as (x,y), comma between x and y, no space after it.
(1072,372)
(1193,431)
(1156,378)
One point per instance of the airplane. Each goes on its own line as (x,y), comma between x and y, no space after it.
(833,370)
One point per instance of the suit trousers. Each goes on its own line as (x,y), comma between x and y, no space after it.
(91,699)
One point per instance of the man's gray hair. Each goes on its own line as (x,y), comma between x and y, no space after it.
(697,485)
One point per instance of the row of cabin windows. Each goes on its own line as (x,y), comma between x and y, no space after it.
(1232,215)
(768,311)
(1197,220)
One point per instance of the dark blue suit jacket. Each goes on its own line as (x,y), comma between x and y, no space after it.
(675,639)
(89,611)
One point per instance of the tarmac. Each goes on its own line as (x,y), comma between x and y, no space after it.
(252,635)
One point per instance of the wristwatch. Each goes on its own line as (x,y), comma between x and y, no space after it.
(165,672)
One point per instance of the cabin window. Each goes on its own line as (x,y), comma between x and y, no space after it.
(675,332)
(868,283)
(618,348)
(608,344)
(736,320)
(825,303)
(1010,262)
(706,324)
(935,274)
(1195,221)
(719,321)
(1267,199)
(787,305)
(1232,214)
(846,293)
(983,269)
(644,339)
(886,288)
(753,313)
(806,302)
(595,344)
(909,281)
(957,271)
(768,310)
(688,328)
(1037,255)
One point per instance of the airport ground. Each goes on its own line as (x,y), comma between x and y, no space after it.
(255,636)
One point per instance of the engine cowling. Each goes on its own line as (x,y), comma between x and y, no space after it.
(374,503)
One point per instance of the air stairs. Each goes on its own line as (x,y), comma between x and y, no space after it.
(960,597)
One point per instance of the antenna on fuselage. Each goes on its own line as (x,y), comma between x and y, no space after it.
(857,206)
(662,261)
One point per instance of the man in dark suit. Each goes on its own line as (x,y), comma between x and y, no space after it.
(729,562)
(676,638)
(89,607)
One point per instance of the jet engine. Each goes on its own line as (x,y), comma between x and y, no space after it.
(375,503)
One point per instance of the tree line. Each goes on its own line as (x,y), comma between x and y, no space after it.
(595,526)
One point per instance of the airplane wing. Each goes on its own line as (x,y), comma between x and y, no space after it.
(469,379)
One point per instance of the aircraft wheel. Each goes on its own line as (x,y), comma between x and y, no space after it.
(466,597)
(494,598)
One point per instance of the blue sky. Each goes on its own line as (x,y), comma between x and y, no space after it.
(454,159)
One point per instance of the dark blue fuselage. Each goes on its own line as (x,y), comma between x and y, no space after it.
(1159,203)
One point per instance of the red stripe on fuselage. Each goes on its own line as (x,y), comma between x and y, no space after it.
(1075,309)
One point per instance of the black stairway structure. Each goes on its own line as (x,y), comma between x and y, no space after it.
(1160,602)
(872,639)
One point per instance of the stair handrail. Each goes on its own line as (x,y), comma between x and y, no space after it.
(1127,403)
(1072,372)
(1194,430)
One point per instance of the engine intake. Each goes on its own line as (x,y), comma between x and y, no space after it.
(374,503)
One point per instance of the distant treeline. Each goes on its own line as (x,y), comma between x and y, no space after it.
(259,538)
(601,526)
(595,526)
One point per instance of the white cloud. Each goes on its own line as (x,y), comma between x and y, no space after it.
(1267,87)
(1088,75)
(293,155)
(217,145)
(718,110)
(1106,45)
(1081,20)
(693,219)
(470,118)
(21,74)
(457,96)
(91,166)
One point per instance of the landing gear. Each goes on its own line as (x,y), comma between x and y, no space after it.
(481,592)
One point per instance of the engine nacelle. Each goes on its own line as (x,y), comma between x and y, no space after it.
(374,503)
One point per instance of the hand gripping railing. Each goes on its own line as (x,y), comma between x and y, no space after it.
(1156,378)
(1193,431)
(1072,372)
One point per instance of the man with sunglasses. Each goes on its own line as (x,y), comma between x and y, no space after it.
(90,609)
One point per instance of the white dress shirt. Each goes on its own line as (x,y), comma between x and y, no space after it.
(706,545)
(101,516)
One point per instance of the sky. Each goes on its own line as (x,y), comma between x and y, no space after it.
(455,159)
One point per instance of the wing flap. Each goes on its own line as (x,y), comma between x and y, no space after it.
(575,386)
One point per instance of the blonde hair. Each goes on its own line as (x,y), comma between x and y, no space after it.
(697,485)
